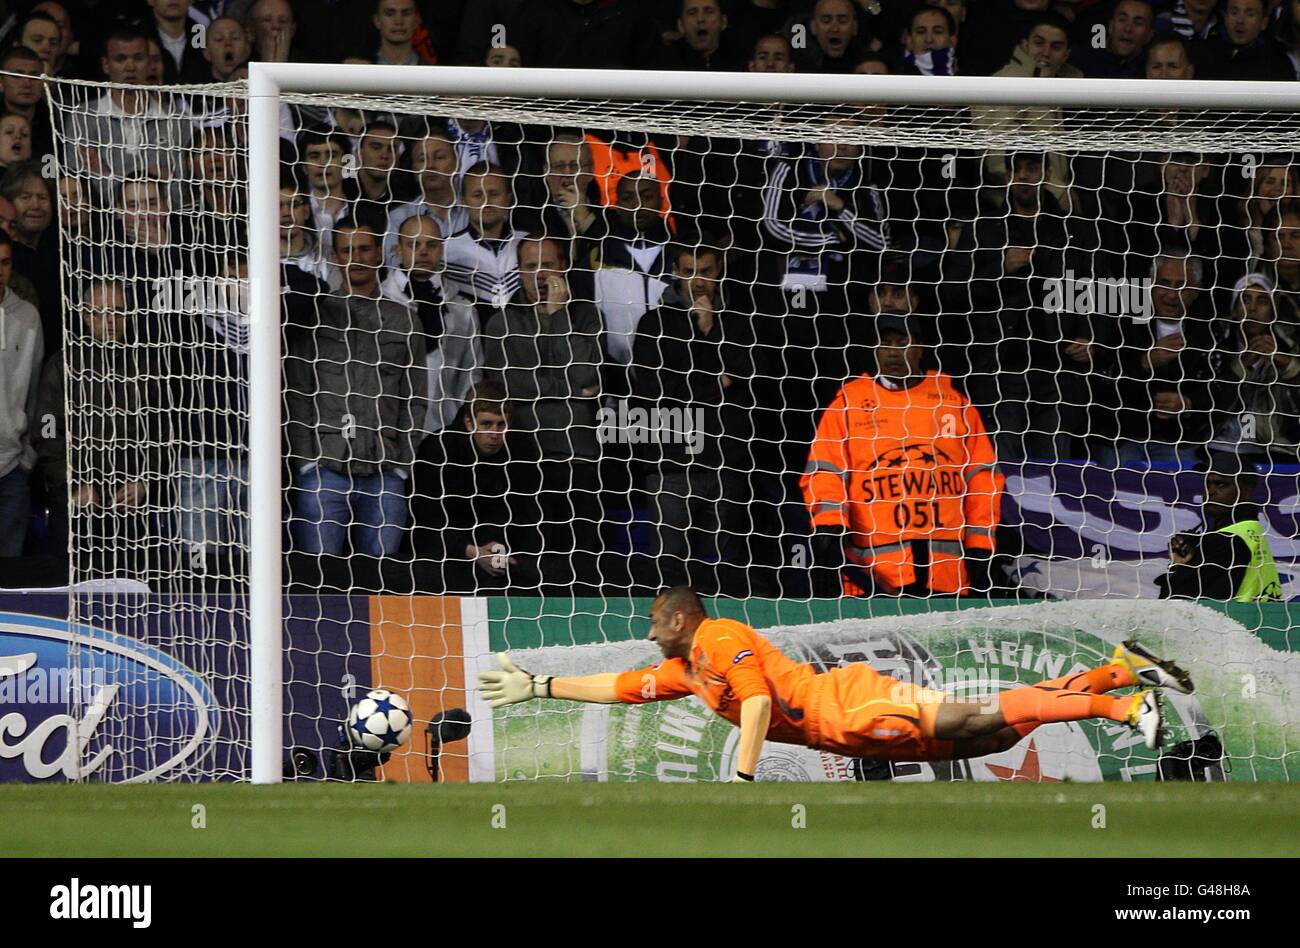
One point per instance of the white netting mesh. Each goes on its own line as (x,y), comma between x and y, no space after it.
(1103,286)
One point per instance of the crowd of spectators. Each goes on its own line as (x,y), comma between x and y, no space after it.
(573,358)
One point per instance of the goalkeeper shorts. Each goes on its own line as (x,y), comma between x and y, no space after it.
(858,712)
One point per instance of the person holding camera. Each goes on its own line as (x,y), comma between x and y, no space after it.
(1231,559)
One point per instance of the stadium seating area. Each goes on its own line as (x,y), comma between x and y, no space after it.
(539,358)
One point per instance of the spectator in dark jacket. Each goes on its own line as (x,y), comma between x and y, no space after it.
(1257,368)
(825,227)
(478,28)
(1241,48)
(692,363)
(113,472)
(156,249)
(58,58)
(377,176)
(992,30)
(577,34)
(1286,30)
(21,351)
(752,19)
(1170,57)
(356,380)
(545,348)
(830,41)
(573,209)
(24,94)
(818,208)
(1128,32)
(1166,373)
(41,33)
(1187,210)
(175,31)
(1001,275)
(36,243)
(705,44)
(474,507)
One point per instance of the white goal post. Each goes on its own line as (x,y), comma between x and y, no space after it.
(1199,107)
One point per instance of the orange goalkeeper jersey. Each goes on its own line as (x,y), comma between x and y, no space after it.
(729,663)
(852,709)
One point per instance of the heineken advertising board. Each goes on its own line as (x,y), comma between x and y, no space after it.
(1247,694)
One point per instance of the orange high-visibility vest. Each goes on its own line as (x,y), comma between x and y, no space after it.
(893,466)
(422,43)
(611,163)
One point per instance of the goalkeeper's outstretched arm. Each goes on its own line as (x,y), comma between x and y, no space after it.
(511,685)
(596,689)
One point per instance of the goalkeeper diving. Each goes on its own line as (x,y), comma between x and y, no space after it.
(851,710)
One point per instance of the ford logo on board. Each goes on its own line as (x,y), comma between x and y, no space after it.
(87,703)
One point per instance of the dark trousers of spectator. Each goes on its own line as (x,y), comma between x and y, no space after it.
(330,504)
(571,519)
(112,542)
(1020,428)
(212,502)
(699,527)
(813,343)
(1072,400)
(684,517)
(15,510)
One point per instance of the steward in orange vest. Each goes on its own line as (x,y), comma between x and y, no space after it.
(613,160)
(901,482)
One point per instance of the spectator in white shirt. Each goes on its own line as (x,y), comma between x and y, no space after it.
(431,161)
(300,242)
(176,32)
(482,259)
(322,154)
(452,343)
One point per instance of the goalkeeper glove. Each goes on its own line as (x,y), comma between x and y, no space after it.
(511,685)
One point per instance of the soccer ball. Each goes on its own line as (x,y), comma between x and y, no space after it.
(380,722)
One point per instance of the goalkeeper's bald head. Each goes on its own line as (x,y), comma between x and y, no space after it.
(674,616)
(681,599)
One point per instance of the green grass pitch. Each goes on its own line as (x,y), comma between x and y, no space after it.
(570,819)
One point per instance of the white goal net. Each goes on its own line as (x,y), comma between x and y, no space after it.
(881,360)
